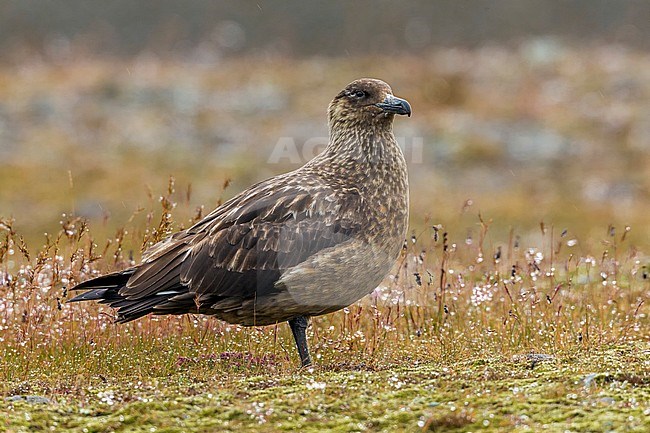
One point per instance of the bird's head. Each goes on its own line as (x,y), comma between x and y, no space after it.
(366,102)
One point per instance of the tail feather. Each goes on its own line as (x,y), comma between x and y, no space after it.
(92,295)
(106,290)
(114,280)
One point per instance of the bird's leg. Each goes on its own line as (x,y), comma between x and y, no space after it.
(298,328)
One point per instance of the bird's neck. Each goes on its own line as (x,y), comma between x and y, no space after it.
(372,147)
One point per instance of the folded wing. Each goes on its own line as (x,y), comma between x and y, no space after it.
(237,252)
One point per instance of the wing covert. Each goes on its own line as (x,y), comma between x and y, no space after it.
(247,251)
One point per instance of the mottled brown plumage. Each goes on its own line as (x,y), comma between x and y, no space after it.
(300,244)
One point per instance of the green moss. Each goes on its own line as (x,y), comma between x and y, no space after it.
(582,392)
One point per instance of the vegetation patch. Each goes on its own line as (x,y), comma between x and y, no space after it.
(456,339)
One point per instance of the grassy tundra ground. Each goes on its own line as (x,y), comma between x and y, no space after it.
(459,338)
(492,321)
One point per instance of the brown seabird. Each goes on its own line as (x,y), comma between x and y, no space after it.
(301,244)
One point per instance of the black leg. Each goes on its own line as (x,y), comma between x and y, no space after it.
(299,327)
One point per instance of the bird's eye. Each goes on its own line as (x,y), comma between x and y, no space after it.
(360,94)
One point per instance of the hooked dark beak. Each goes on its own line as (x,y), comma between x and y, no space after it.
(395,105)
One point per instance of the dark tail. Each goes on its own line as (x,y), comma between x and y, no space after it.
(106,290)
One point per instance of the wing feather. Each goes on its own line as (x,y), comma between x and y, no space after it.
(241,249)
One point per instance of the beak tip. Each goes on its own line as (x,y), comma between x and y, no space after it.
(395,105)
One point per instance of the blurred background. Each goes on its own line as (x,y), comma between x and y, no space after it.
(523,111)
